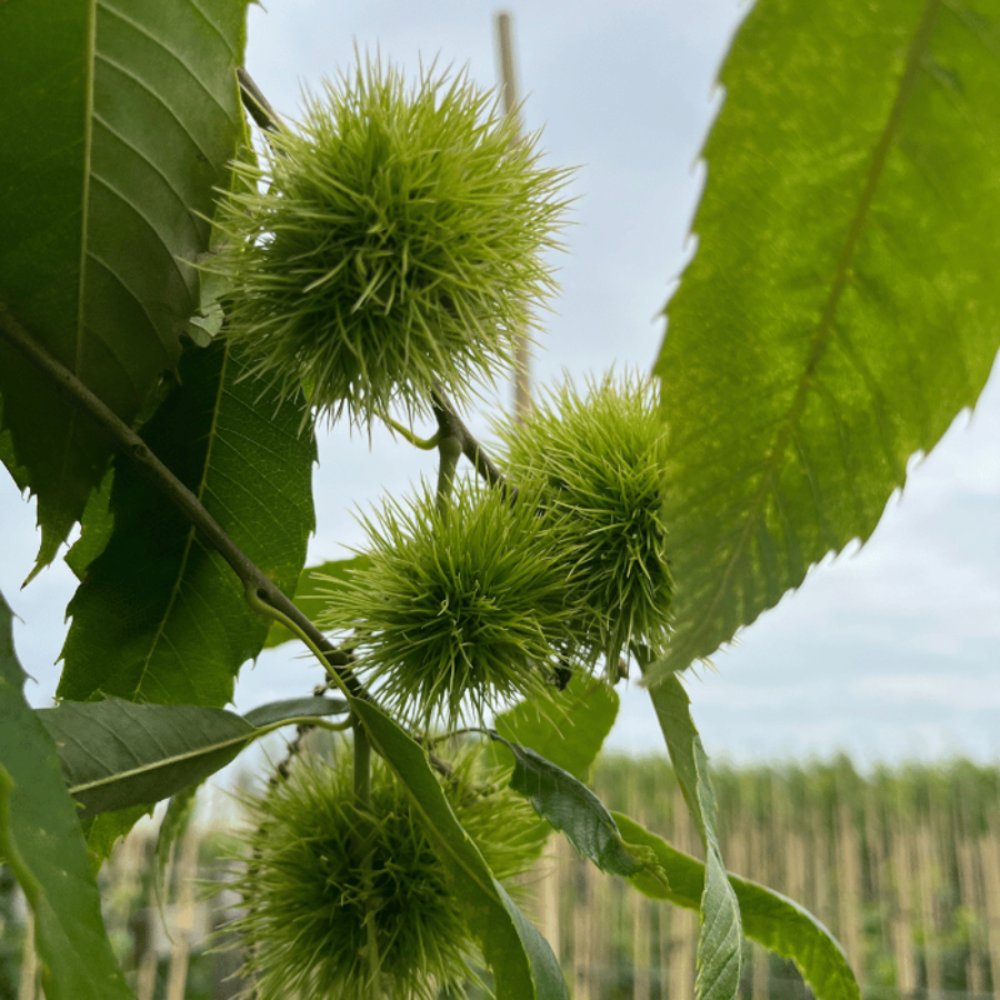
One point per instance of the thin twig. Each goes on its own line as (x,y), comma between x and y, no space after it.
(257,104)
(450,425)
(254,580)
(428,444)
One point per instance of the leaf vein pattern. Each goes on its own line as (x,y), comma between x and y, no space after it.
(824,331)
(275,428)
(159,43)
(160,634)
(168,183)
(94,256)
(139,82)
(110,346)
(249,495)
(203,14)
(126,200)
(74,417)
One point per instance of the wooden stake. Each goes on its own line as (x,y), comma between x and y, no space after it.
(508,78)
(29,962)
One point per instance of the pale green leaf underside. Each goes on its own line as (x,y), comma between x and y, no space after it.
(842,306)
(173,827)
(118,121)
(720,941)
(768,917)
(41,841)
(571,807)
(565,727)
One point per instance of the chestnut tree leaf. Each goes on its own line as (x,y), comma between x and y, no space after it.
(174,825)
(116,754)
(720,941)
(42,843)
(842,306)
(118,120)
(768,917)
(565,727)
(160,616)
(314,583)
(571,807)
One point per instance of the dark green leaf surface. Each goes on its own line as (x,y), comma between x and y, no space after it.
(769,918)
(570,806)
(842,306)
(116,754)
(41,841)
(118,119)
(522,961)
(8,458)
(314,583)
(159,617)
(565,727)
(276,712)
(720,943)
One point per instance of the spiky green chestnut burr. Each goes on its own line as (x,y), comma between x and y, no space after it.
(318,870)
(393,240)
(598,458)
(459,609)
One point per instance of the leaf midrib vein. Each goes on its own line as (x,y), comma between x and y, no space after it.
(161,763)
(73,417)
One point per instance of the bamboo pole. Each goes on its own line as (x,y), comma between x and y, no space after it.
(684,923)
(926,879)
(877,864)
(969,883)
(582,914)
(508,77)
(145,977)
(989,853)
(184,924)
(902,930)
(28,990)
(642,955)
(642,959)
(759,870)
(848,849)
(551,871)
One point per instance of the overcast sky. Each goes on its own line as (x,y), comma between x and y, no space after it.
(888,653)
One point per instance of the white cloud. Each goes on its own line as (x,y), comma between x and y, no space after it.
(873,643)
(971,694)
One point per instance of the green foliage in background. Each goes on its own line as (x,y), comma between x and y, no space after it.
(841,309)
